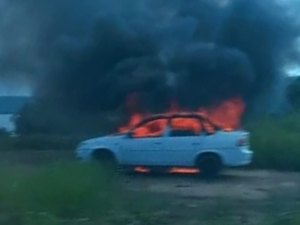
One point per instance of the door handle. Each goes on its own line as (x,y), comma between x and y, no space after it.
(196,144)
(157,143)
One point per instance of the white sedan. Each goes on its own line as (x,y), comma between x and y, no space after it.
(172,141)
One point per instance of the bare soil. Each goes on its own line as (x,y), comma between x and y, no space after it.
(248,197)
(235,184)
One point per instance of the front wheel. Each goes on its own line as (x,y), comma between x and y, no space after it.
(106,159)
(209,165)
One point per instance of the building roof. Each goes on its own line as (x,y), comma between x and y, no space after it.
(12,104)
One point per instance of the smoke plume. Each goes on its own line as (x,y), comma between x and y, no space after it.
(91,55)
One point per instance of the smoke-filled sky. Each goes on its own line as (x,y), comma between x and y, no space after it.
(90,55)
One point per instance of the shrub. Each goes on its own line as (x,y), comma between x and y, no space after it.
(39,142)
(276,142)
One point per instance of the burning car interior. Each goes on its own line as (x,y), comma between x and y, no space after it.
(225,116)
(178,126)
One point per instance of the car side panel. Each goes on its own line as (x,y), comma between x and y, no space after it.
(237,157)
(180,151)
(170,151)
(224,144)
(113,145)
(142,151)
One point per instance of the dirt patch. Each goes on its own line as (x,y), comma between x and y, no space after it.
(248,197)
(237,184)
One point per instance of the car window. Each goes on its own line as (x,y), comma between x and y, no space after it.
(208,127)
(182,126)
(153,128)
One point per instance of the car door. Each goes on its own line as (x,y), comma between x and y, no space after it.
(145,144)
(184,139)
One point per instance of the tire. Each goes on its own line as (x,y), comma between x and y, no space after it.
(106,159)
(209,165)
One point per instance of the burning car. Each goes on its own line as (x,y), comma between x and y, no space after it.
(173,142)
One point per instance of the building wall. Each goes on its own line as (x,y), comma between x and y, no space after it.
(6,122)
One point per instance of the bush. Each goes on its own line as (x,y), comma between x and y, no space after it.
(276,142)
(39,142)
(45,117)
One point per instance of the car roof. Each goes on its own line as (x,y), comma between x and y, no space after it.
(175,115)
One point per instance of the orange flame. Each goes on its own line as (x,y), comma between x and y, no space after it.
(140,169)
(226,115)
(180,170)
(173,170)
(134,120)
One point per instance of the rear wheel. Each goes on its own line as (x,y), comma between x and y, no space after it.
(209,165)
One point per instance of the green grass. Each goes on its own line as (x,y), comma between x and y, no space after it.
(288,218)
(276,142)
(70,194)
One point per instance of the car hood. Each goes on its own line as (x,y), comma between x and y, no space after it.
(102,139)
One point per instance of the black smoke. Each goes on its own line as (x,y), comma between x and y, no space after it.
(89,55)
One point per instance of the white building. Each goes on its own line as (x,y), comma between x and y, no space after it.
(10,106)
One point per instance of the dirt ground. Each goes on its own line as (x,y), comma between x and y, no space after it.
(236,184)
(247,197)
